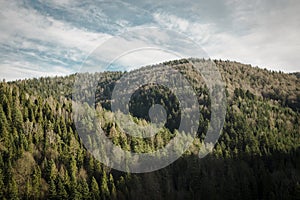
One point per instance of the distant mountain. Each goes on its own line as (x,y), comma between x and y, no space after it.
(256,157)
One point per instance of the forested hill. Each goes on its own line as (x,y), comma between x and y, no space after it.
(256,157)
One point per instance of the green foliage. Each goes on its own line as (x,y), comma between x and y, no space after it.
(61,190)
(256,157)
(104,186)
(95,193)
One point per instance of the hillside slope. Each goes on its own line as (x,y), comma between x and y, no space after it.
(256,157)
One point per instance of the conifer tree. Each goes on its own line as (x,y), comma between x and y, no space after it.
(113,190)
(104,186)
(12,191)
(52,189)
(4,134)
(61,191)
(95,193)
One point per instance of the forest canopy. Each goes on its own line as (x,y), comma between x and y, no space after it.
(256,157)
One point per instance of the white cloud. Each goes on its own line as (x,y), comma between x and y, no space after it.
(31,33)
(144,57)
(264,36)
(263,33)
(31,24)
(270,37)
(200,32)
(21,70)
(142,46)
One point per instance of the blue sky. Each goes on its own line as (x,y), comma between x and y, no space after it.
(54,37)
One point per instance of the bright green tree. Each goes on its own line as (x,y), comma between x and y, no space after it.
(95,193)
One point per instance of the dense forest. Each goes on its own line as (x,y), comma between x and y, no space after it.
(256,157)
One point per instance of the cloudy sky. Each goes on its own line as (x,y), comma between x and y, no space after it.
(54,37)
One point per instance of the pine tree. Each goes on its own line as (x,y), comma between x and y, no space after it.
(113,190)
(73,170)
(84,189)
(121,184)
(36,182)
(51,170)
(67,181)
(104,186)
(52,189)
(12,190)
(17,117)
(28,190)
(4,134)
(61,191)
(2,187)
(95,193)
(6,107)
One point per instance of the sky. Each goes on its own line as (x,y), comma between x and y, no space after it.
(55,37)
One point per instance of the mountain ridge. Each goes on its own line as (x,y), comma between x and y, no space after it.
(256,157)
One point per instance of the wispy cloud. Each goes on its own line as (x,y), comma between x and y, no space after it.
(39,37)
(263,33)
(200,32)
(142,46)
(268,34)
(41,42)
